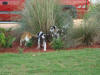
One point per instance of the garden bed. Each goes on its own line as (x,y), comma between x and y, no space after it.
(14,49)
(95,45)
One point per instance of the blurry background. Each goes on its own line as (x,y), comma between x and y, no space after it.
(95,1)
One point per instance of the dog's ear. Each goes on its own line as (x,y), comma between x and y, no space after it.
(38,34)
(54,27)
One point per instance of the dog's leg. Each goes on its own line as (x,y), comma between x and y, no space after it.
(25,43)
(38,47)
(44,45)
(26,40)
(44,42)
(58,36)
(21,42)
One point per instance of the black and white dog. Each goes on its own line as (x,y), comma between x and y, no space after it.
(41,39)
(54,32)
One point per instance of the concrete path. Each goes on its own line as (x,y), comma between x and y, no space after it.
(77,23)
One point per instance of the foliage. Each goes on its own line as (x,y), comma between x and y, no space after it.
(30,43)
(40,15)
(57,43)
(2,40)
(84,34)
(93,18)
(2,30)
(9,41)
(88,32)
(93,12)
(6,40)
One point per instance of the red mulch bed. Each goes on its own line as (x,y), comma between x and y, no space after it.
(14,49)
(95,45)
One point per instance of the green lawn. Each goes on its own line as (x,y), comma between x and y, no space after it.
(74,62)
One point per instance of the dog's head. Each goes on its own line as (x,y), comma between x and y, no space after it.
(52,29)
(41,35)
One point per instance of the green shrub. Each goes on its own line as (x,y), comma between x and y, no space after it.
(40,15)
(57,44)
(2,30)
(9,41)
(88,32)
(2,40)
(30,43)
(93,18)
(6,40)
(84,34)
(5,31)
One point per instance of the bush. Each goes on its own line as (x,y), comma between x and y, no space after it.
(2,40)
(88,32)
(57,44)
(9,41)
(93,18)
(40,15)
(2,30)
(30,43)
(6,40)
(84,34)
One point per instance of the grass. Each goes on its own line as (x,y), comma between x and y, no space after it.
(80,62)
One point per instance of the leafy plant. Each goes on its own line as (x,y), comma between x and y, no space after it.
(2,40)
(9,41)
(6,40)
(2,30)
(30,43)
(57,44)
